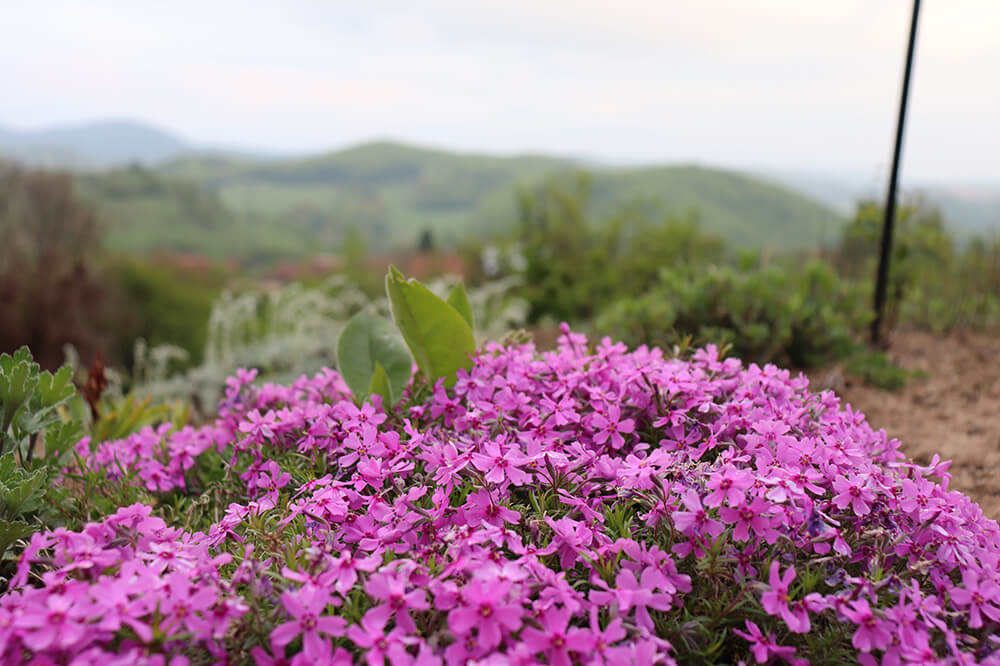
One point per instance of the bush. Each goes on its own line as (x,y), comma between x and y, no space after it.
(584,506)
(770,314)
(573,265)
(51,292)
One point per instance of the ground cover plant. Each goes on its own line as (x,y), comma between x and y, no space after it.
(586,505)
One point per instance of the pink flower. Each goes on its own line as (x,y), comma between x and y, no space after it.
(612,427)
(870,634)
(59,623)
(979,595)
(553,638)
(640,594)
(370,635)
(306,606)
(729,484)
(483,608)
(775,600)
(853,491)
(695,521)
(764,647)
(747,517)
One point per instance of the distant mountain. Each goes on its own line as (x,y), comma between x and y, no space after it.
(393,191)
(93,145)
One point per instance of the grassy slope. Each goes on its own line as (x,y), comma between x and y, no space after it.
(392,192)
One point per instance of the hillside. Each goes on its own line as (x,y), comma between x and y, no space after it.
(154,191)
(94,145)
(393,192)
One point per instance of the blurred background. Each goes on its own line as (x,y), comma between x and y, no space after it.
(187,188)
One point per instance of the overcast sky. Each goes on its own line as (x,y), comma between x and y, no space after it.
(797,84)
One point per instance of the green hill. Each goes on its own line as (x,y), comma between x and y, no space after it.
(261,210)
(392,192)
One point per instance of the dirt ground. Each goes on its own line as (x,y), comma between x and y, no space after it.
(953,411)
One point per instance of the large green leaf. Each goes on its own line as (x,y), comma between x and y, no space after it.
(380,386)
(366,342)
(459,299)
(439,338)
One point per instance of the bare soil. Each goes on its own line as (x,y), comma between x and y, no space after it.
(954,410)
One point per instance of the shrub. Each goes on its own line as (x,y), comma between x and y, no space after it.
(581,506)
(34,440)
(51,291)
(770,314)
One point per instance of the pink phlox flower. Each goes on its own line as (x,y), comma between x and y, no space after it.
(764,647)
(501,461)
(641,594)
(601,641)
(115,602)
(306,607)
(979,596)
(270,478)
(391,588)
(368,444)
(871,634)
(612,426)
(553,638)
(52,621)
(484,606)
(729,484)
(480,507)
(695,521)
(853,491)
(918,497)
(572,538)
(562,412)
(370,635)
(258,427)
(776,600)
(364,417)
(754,515)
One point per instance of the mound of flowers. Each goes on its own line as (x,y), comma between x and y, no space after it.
(580,506)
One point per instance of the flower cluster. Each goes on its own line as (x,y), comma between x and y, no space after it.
(580,506)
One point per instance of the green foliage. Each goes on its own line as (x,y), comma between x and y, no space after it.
(372,358)
(380,385)
(293,330)
(34,440)
(171,302)
(575,265)
(932,284)
(765,314)
(439,337)
(264,210)
(877,369)
(459,299)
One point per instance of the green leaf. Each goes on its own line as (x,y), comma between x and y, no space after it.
(380,386)
(459,299)
(366,342)
(25,494)
(12,531)
(439,338)
(56,389)
(8,467)
(60,438)
(16,386)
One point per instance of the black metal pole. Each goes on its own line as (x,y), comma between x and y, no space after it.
(890,205)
